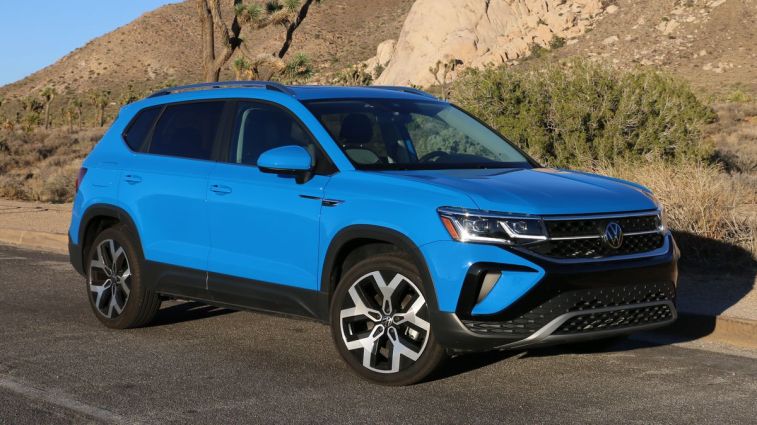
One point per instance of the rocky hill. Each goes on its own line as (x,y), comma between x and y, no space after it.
(711,43)
(162,47)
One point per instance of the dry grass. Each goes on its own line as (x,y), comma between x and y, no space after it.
(735,134)
(42,166)
(702,201)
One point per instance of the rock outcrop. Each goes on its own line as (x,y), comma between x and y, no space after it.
(477,32)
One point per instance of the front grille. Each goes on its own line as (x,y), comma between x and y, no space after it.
(597,248)
(595,226)
(572,301)
(616,319)
(583,238)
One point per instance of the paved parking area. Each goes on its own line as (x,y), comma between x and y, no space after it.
(200,364)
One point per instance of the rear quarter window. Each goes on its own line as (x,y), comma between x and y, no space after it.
(137,132)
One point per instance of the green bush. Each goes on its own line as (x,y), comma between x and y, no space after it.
(575,114)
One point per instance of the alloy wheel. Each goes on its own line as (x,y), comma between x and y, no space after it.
(385,325)
(109,278)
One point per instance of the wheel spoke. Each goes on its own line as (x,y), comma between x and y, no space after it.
(122,280)
(98,289)
(399,349)
(411,316)
(99,262)
(360,308)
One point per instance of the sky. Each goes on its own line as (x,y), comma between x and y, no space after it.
(36,33)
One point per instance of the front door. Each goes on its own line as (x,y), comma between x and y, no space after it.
(264,227)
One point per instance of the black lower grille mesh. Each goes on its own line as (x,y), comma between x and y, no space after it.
(616,319)
(575,300)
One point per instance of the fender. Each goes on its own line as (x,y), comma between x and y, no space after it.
(382,234)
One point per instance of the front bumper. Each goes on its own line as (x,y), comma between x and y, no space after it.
(570,302)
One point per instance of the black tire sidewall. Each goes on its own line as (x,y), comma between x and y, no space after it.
(433,353)
(132,312)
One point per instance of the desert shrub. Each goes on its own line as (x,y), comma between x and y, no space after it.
(703,201)
(298,69)
(42,165)
(577,113)
(356,75)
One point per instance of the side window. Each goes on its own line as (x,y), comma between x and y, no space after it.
(140,127)
(187,130)
(259,127)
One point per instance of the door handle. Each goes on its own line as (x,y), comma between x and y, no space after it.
(132,179)
(220,189)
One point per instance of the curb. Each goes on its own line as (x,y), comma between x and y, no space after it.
(55,242)
(730,330)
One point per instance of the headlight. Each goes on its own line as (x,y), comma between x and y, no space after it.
(662,224)
(483,226)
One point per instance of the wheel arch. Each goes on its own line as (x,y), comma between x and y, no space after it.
(353,237)
(99,217)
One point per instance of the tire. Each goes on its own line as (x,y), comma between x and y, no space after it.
(380,322)
(116,293)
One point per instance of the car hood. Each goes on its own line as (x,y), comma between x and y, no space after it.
(541,191)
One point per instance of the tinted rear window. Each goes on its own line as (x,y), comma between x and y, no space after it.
(139,129)
(187,130)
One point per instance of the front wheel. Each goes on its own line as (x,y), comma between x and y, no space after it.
(380,322)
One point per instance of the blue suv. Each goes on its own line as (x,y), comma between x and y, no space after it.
(409,226)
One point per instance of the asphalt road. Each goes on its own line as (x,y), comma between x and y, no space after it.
(200,364)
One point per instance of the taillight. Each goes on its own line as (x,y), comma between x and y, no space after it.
(80,177)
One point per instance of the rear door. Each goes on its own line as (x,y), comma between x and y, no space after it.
(166,187)
(264,227)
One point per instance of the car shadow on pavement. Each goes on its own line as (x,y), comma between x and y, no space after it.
(469,362)
(714,276)
(186,312)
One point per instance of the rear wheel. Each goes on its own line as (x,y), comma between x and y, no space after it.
(114,281)
(380,322)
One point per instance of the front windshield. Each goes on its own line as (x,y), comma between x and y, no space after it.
(390,134)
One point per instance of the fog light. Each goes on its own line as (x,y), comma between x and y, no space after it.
(487,284)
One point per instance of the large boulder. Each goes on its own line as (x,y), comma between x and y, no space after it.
(477,32)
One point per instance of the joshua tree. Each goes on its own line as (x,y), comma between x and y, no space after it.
(47,94)
(100,100)
(76,105)
(73,112)
(441,71)
(129,96)
(32,108)
(256,15)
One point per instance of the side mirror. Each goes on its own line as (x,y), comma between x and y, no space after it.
(290,159)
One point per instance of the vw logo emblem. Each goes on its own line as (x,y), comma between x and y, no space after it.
(613,236)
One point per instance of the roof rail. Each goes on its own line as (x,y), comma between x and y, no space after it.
(268,85)
(406,90)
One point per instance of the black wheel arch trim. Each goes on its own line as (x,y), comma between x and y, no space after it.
(76,250)
(381,234)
